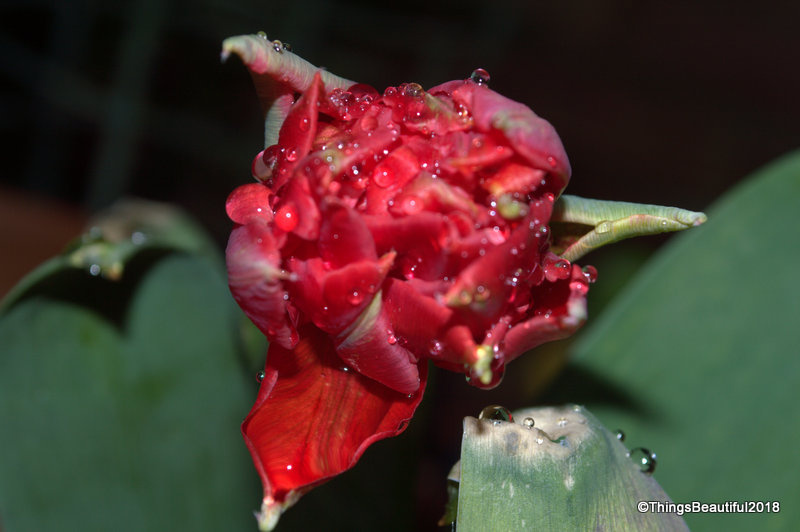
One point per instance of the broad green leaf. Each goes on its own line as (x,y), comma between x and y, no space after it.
(697,358)
(556,468)
(128,425)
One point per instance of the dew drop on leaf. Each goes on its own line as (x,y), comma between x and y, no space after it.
(260,376)
(496,413)
(644,459)
(620,435)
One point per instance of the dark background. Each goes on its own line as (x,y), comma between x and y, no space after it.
(656,102)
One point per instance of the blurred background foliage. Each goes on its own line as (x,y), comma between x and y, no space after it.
(656,102)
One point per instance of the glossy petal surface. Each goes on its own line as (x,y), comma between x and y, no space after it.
(313,418)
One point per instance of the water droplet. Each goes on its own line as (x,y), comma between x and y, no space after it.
(262,34)
(277,46)
(287,47)
(591,273)
(95,269)
(355,297)
(552,161)
(620,435)
(435,348)
(480,76)
(496,413)
(260,376)
(528,422)
(392,339)
(383,176)
(412,90)
(539,439)
(289,467)
(291,155)
(304,124)
(562,422)
(644,459)
(603,227)
(286,218)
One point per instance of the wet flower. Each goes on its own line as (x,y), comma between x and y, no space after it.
(385,231)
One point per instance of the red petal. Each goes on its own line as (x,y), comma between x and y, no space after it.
(371,347)
(254,278)
(249,202)
(313,420)
(560,311)
(343,236)
(531,136)
(298,130)
(416,318)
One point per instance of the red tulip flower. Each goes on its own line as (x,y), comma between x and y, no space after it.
(386,231)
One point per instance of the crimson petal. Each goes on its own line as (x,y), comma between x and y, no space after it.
(255,280)
(313,419)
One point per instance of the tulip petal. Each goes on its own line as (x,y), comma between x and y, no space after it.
(560,311)
(313,419)
(371,347)
(255,280)
(531,136)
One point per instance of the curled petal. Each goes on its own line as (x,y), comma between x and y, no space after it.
(255,280)
(560,311)
(531,136)
(312,419)
(371,347)
(249,202)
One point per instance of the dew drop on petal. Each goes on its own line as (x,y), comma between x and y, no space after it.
(644,459)
(286,218)
(277,46)
(480,76)
(355,297)
(562,422)
(496,413)
(304,124)
(260,376)
(287,47)
(435,348)
(552,161)
(291,155)
(392,339)
(528,422)
(383,177)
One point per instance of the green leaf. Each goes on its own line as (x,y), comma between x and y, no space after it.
(697,359)
(131,425)
(557,470)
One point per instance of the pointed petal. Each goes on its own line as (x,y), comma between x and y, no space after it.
(313,420)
